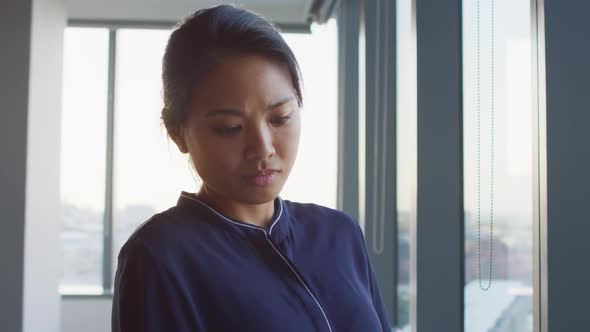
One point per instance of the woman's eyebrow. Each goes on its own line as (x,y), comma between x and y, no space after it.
(280,103)
(225,111)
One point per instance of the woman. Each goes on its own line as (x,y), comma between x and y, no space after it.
(235,256)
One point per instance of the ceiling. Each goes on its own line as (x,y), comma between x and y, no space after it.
(283,12)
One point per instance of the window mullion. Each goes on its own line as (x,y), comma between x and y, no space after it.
(437,242)
(107,255)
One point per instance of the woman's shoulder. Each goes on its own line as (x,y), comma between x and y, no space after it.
(163,230)
(321,216)
(313,209)
(157,223)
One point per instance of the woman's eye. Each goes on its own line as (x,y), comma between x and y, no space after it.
(280,120)
(228,131)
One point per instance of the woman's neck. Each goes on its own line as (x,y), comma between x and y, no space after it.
(255,214)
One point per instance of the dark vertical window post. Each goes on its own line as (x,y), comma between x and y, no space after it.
(380,153)
(567,164)
(437,240)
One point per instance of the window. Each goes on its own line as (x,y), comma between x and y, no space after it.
(148,170)
(319,117)
(83,157)
(406,156)
(498,166)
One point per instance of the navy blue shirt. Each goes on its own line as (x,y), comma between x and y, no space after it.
(190,268)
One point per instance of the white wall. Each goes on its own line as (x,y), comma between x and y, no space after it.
(31,33)
(43,222)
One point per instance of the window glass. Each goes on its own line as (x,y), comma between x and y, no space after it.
(498,166)
(406,155)
(83,157)
(149,171)
(316,166)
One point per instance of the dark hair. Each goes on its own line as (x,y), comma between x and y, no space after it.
(202,40)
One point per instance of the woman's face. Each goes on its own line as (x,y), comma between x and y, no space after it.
(243,129)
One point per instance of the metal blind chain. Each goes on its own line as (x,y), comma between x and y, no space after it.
(479,150)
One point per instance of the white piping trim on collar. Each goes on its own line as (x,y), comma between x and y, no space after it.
(236,223)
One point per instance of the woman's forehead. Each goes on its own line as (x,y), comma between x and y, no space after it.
(241,80)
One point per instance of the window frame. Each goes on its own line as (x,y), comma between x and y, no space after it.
(430,291)
(425,21)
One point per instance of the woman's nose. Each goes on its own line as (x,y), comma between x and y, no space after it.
(259,144)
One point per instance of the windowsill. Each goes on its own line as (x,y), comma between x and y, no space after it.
(80,296)
(82,292)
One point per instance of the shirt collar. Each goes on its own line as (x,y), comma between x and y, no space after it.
(278,230)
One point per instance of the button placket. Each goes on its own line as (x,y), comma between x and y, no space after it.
(292,268)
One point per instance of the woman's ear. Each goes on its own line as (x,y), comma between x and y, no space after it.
(175,131)
(178,138)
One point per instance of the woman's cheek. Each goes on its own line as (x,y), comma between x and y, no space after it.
(229,156)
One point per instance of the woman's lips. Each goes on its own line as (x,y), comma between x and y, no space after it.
(262,178)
